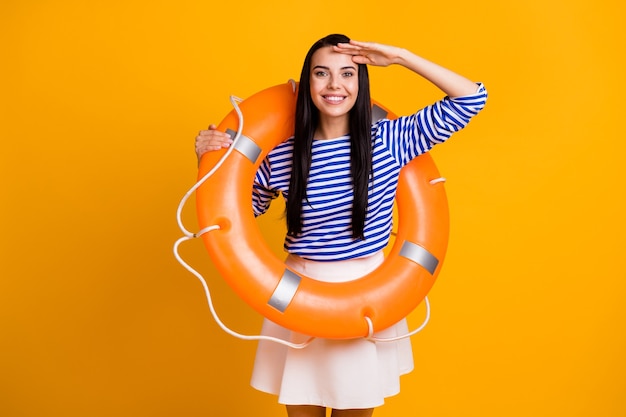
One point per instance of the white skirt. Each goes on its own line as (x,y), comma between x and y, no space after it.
(340,374)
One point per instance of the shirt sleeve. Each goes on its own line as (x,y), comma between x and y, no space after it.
(410,136)
(262,194)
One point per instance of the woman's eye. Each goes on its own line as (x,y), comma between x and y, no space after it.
(348,74)
(320,73)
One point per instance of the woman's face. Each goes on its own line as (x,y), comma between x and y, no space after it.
(334,82)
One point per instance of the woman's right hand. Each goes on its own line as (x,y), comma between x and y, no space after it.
(211,140)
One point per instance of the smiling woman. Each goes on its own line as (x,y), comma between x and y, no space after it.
(339,175)
(334,90)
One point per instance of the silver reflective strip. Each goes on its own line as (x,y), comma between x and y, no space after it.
(419,255)
(246,146)
(285,291)
(378,113)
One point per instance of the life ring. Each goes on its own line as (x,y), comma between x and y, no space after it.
(300,303)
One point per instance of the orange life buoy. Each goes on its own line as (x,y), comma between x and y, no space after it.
(300,303)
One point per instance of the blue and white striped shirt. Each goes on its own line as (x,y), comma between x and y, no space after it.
(326,217)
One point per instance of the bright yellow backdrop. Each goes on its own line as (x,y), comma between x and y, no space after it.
(100,103)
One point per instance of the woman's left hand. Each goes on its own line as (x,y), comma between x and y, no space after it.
(370,53)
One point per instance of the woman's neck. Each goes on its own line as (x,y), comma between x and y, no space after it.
(332,127)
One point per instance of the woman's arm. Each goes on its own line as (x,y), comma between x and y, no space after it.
(451,83)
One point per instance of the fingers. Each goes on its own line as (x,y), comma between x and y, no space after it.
(349,48)
(369,53)
(211,140)
(363,52)
(356,47)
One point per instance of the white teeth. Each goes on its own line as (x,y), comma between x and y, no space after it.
(334,98)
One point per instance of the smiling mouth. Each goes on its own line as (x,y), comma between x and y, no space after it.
(334,99)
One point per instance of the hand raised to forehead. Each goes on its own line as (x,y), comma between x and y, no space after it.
(370,53)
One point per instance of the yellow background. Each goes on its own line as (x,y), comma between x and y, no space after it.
(100,103)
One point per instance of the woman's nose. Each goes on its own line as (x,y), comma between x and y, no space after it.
(332,82)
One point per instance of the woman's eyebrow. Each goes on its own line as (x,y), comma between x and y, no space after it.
(328,68)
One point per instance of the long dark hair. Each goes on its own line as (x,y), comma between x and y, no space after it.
(307,119)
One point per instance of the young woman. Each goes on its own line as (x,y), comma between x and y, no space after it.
(338,175)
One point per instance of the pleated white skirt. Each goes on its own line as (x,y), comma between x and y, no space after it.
(340,374)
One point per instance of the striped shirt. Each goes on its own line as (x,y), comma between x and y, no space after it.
(326,217)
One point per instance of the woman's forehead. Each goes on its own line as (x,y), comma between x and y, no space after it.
(326,57)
